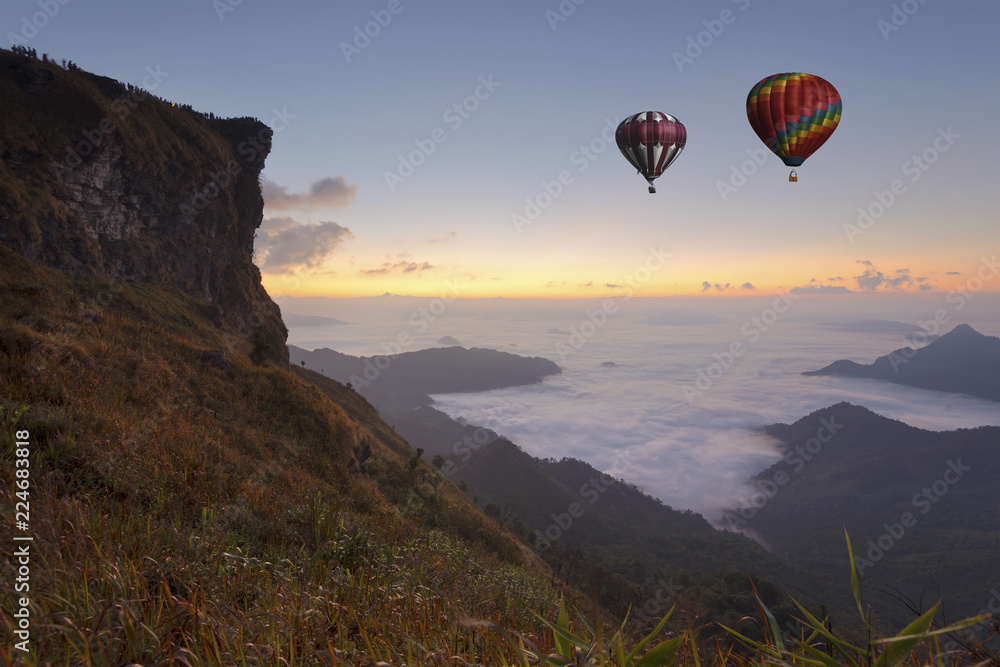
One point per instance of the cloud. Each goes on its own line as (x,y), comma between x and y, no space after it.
(402,266)
(820,289)
(694,455)
(450,236)
(284,243)
(612,285)
(872,280)
(590,284)
(953,273)
(705,286)
(328,192)
(747,286)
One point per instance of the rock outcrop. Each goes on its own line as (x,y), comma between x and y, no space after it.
(99,178)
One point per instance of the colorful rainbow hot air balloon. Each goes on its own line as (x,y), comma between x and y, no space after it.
(651,141)
(793,114)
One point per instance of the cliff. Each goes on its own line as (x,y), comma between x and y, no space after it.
(103,179)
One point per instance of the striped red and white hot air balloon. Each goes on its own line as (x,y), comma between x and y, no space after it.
(651,141)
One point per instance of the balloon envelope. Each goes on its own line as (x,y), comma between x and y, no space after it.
(793,114)
(651,141)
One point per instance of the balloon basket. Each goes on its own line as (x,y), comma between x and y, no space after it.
(652,190)
(793,177)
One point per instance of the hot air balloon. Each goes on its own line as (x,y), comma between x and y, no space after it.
(651,141)
(793,114)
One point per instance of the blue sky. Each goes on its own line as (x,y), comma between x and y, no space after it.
(910,74)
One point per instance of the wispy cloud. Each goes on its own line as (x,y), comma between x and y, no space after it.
(399,266)
(284,244)
(820,289)
(326,192)
(450,236)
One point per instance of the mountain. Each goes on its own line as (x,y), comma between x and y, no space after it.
(193,499)
(432,371)
(297,320)
(874,327)
(921,507)
(103,180)
(180,476)
(962,361)
(600,533)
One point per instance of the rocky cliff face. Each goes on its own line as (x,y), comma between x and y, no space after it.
(98,178)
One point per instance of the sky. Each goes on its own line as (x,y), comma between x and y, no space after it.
(403,156)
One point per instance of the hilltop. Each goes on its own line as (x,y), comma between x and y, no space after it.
(921,507)
(962,361)
(106,180)
(182,478)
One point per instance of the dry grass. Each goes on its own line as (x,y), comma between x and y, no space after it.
(184,514)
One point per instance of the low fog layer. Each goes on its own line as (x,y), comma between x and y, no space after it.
(683,401)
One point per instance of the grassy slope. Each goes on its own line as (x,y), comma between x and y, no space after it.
(182,509)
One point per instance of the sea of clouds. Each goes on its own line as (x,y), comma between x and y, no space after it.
(682,385)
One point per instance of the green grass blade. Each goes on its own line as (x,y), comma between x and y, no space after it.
(650,637)
(661,655)
(558,633)
(772,623)
(842,647)
(899,650)
(752,643)
(855,584)
(954,627)
(563,647)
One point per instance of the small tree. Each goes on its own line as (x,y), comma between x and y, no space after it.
(438,461)
(415,459)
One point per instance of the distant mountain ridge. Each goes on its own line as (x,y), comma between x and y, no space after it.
(298,320)
(962,361)
(432,371)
